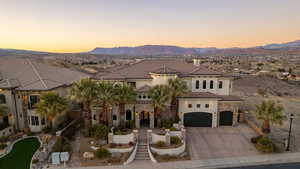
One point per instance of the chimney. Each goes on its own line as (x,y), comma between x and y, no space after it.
(196,62)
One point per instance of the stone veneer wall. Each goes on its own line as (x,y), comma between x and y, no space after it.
(229,106)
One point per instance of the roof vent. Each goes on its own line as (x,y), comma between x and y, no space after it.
(197,62)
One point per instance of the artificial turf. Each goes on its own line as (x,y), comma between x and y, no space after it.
(21,154)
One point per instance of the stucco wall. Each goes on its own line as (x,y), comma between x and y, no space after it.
(225,90)
(123,139)
(161,79)
(183,105)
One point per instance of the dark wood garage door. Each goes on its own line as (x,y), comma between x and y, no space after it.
(198,119)
(226,118)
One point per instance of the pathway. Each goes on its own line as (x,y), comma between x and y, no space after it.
(142,152)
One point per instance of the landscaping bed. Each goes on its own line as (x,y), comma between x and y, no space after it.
(168,158)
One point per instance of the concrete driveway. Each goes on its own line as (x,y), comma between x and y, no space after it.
(225,141)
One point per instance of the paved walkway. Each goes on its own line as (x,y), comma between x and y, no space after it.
(206,164)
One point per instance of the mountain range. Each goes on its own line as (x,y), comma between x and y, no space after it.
(166,50)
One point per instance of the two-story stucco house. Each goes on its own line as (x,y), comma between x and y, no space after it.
(21,83)
(209,103)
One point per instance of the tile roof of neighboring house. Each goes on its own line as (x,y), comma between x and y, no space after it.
(142,69)
(29,74)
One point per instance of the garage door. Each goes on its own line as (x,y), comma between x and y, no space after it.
(226,118)
(198,119)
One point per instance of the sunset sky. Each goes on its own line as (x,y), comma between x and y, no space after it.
(81,25)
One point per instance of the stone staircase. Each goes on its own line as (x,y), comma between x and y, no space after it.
(142,152)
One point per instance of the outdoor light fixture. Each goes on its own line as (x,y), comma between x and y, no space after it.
(290,130)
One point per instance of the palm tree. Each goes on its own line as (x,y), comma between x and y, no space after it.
(177,88)
(124,94)
(106,98)
(160,95)
(269,112)
(51,105)
(85,92)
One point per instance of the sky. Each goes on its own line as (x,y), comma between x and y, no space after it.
(81,25)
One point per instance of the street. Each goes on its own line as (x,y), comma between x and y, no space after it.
(272,166)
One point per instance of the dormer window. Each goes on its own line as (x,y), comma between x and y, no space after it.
(204,84)
(211,84)
(197,84)
(220,84)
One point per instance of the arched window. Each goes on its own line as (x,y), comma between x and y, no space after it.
(220,84)
(211,84)
(204,84)
(197,84)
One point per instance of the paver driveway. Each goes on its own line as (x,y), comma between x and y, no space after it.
(225,141)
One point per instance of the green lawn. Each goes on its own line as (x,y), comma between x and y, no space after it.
(21,154)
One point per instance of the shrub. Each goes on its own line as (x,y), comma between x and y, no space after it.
(112,145)
(102,153)
(265,145)
(131,143)
(175,140)
(254,140)
(160,144)
(72,129)
(47,129)
(2,146)
(173,129)
(167,124)
(35,161)
(130,124)
(62,145)
(98,131)
(3,139)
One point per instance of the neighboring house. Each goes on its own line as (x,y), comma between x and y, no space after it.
(21,83)
(208,104)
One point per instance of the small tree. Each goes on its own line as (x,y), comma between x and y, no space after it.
(177,88)
(51,105)
(160,95)
(269,112)
(124,94)
(85,92)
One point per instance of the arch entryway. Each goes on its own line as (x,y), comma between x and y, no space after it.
(198,119)
(226,118)
(144,119)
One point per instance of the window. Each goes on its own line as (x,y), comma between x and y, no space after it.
(128,114)
(204,84)
(149,97)
(144,97)
(35,120)
(33,99)
(43,121)
(94,117)
(2,99)
(140,96)
(220,84)
(114,117)
(197,84)
(206,105)
(190,105)
(211,84)
(198,105)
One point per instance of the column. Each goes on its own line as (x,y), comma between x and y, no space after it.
(149,136)
(136,135)
(110,137)
(137,119)
(214,119)
(168,137)
(151,120)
